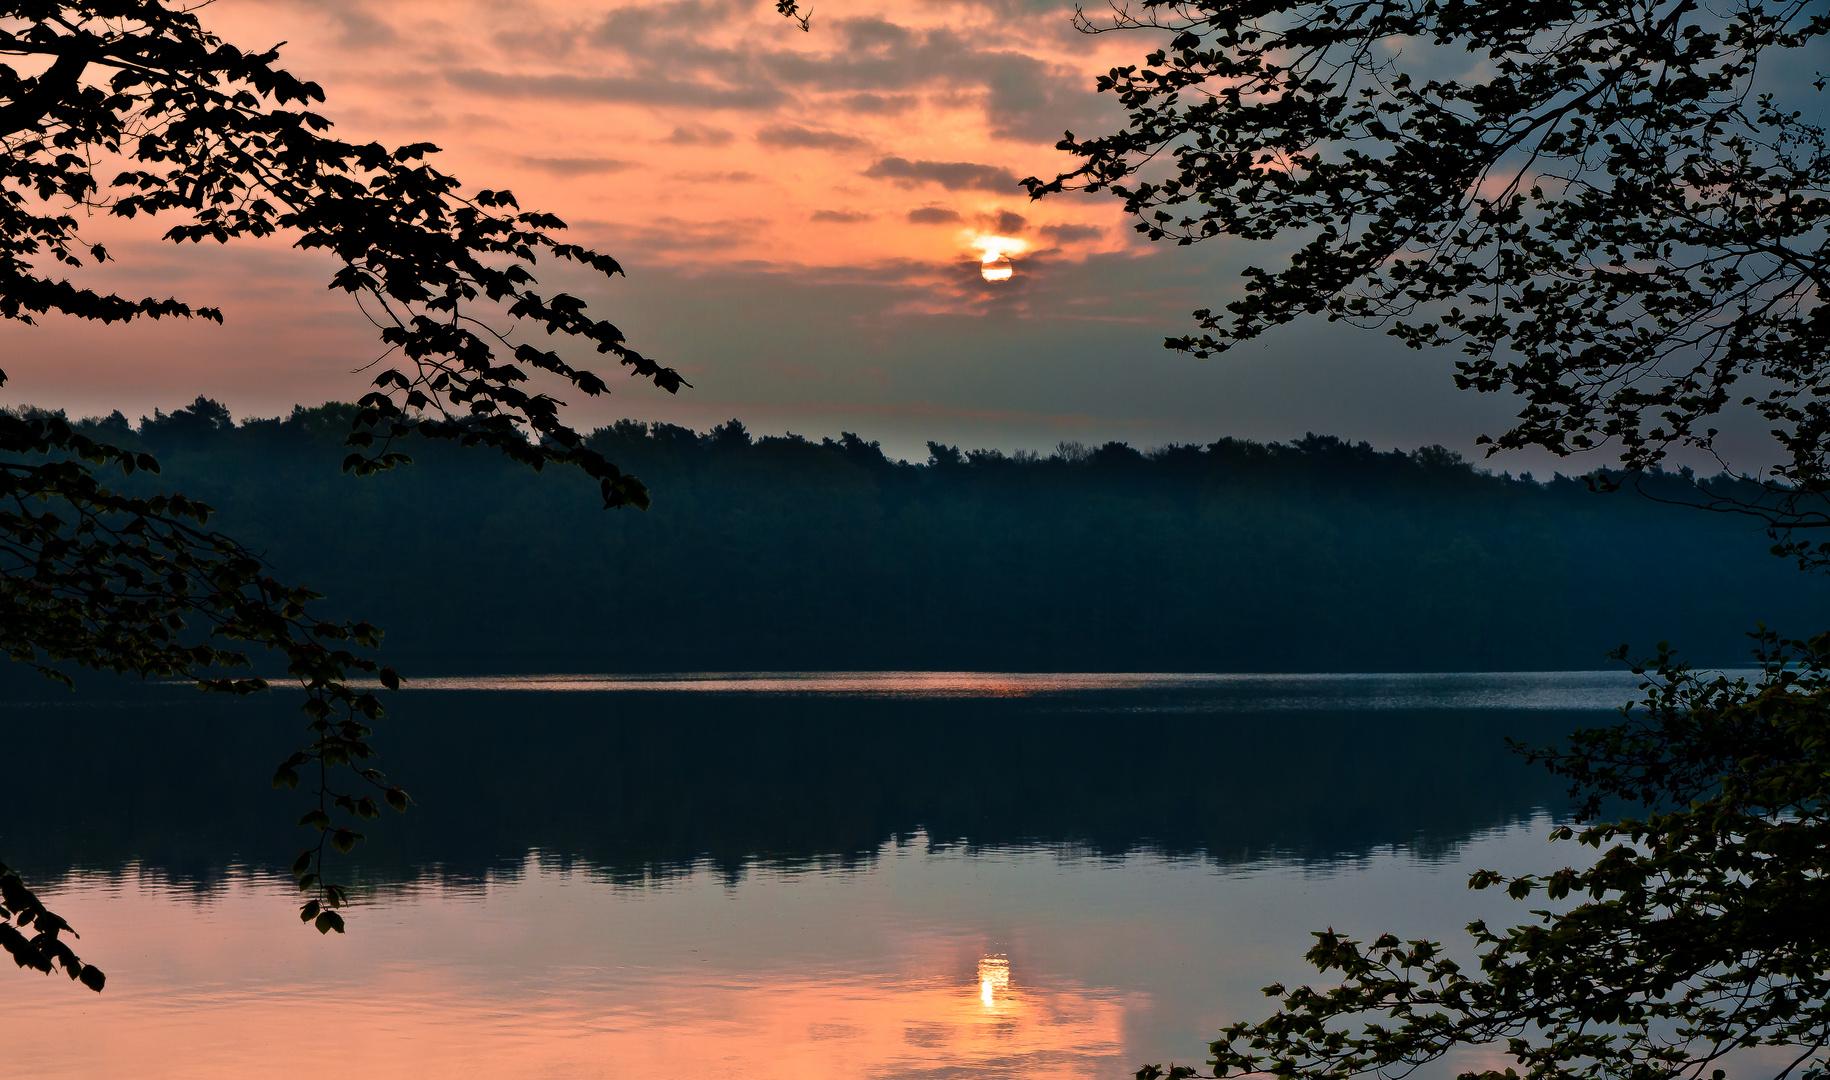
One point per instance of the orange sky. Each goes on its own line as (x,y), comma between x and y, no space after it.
(802,216)
(718,132)
(706,134)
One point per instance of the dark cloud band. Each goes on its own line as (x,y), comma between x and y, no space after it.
(790,136)
(952,175)
(650,91)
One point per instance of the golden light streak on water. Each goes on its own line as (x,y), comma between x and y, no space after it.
(994,979)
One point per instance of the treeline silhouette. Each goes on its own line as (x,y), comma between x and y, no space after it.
(790,553)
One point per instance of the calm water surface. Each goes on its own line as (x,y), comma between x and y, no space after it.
(811,875)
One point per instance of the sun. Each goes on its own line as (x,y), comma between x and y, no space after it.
(994,255)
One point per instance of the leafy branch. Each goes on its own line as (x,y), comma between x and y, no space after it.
(201,129)
(1600,211)
(135,585)
(1692,934)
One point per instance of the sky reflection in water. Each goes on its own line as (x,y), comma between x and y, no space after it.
(794,876)
(925,963)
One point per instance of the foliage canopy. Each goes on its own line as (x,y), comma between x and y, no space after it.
(1689,944)
(200,129)
(1615,210)
(131,107)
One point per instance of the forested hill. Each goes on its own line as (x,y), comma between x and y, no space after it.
(787,553)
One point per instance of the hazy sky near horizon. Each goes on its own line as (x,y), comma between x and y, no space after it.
(801,216)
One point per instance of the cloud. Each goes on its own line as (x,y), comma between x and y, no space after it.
(874,67)
(790,136)
(841,217)
(645,90)
(577,166)
(1024,97)
(952,175)
(1063,233)
(634,26)
(362,30)
(878,104)
(869,35)
(1004,222)
(932,215)
(699,135)
(668,233)
(739,176)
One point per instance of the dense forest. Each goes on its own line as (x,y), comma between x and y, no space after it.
(789,553)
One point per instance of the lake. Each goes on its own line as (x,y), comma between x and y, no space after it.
(766,875)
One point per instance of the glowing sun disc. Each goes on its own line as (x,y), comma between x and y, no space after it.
(994,255)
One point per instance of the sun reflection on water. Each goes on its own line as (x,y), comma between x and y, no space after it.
(994,979)
(423,994)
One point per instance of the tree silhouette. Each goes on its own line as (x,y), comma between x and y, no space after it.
(1614,215)
(129,108)
(1690,941)
(1612,209)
